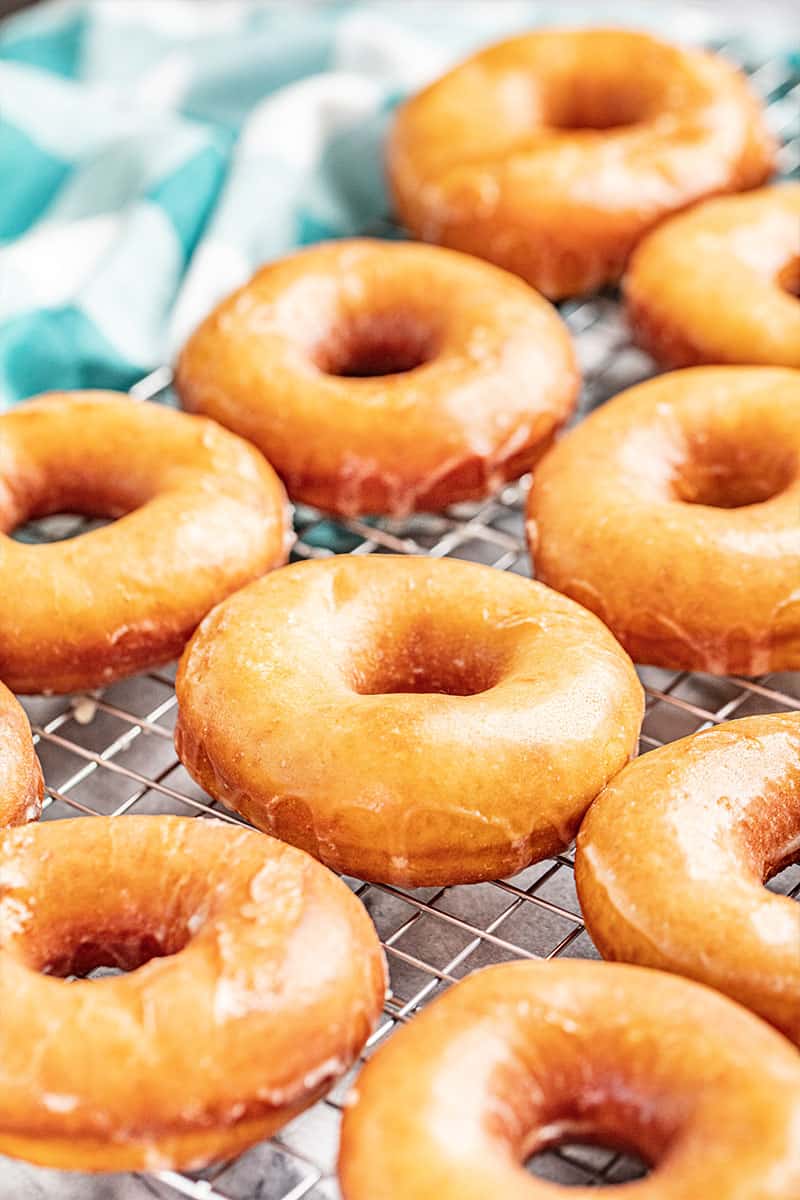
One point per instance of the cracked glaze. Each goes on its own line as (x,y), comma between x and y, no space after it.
(714,285)
(21,783)
(200,514)
(408,720)
(527,1055)
(673,855)
(482,375)
(551,154)
(272,981)
(673,513)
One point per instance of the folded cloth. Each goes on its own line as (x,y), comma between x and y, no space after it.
(154,152)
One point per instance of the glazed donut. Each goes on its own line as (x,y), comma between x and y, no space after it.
(21,783)
(719,284)
(673,856)
(201,513)
(407,720)
(384,377)
(527,1055)
(551,154)
(673,513)
(255,979)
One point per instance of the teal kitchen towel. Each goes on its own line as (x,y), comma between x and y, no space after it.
(154,152)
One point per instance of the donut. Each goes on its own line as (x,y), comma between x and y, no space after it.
(21,783)
(407,720)
(673,513)
(527,1055)
(255,977)
(719,284)
(200,512)
(384,377)
(673,855)
(551,154)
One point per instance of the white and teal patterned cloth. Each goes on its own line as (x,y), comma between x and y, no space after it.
(154,152)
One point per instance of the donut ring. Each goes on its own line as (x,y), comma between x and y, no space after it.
(673,513)
(407,720)
(551,154)
(527,1055)
(203,514)
(21,783)
(384,377)
(716,284)
(272,982)
(673,856)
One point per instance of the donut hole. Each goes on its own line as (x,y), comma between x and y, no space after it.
(591,110)
(114,952)
(776,856)
(96,933)
(782,877)
(581,1164)
(608,102)
(599,1125)
(733,472)
(370,345)
(789,277)
(82,498)
(58,527)
(420,666)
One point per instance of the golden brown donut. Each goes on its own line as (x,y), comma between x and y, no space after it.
(414,721)
(384,377)
(673,856)
(21,783)
(524,1056)
(200,512)
(673,513)
(255,977)
(719,283)
(551,154)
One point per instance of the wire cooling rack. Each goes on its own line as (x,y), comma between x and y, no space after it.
(112,753)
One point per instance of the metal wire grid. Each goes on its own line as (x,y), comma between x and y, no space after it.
(112,753)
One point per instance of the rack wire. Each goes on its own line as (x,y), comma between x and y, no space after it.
(112,753)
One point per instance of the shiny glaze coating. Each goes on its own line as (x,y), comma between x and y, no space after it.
(21,783)
(200,514)
(527,1055)
(407,720)
(273,981)
(673,855)
(673,513)
(384,377)
(553,153)
(716,284)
